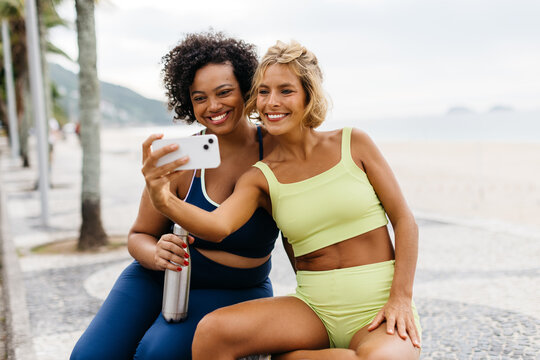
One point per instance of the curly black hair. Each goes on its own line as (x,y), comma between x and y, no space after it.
(195,51)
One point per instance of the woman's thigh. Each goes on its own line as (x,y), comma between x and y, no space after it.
(173,340)
(261,326)
(128,311)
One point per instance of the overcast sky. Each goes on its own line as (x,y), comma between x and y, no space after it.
(380,58)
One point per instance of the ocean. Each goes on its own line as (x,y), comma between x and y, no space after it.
(503,126)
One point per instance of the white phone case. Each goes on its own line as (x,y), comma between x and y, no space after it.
(203,151)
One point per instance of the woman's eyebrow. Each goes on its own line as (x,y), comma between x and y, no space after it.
(222,86)
(280,85)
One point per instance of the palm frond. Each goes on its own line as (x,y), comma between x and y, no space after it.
(53,49)
(11,8)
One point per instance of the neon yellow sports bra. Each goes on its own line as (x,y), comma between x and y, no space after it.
(327,208)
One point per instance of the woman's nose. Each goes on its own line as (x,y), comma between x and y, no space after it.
(215,104)
(273,99)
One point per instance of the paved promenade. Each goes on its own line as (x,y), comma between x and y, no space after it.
(477,286)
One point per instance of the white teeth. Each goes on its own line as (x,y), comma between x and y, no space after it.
(275,116)
(220,117)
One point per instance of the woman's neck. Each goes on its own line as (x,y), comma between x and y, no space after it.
(297,144)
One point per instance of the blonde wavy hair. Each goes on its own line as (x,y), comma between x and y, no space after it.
(305,65)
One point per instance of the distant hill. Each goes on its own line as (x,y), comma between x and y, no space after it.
(119,105)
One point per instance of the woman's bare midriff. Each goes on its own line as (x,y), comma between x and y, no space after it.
(369,248)
(232,260)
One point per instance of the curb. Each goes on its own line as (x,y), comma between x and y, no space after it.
(19,345)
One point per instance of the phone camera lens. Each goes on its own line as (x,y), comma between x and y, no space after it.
(205,147)
(211,141)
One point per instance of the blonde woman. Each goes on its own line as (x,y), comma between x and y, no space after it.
(330,193)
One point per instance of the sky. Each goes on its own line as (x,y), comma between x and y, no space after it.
(380,58)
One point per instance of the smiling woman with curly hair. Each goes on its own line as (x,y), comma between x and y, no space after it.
(207,77)
(197,50)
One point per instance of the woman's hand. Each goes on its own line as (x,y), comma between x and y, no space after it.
(158,179)
(398,313)
(171,249)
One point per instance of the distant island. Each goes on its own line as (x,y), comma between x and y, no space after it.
(120,106)
(501,108)
(463,110)
(459,110)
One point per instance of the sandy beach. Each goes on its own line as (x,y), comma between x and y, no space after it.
(493,183)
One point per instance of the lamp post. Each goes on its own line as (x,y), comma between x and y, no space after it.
(38,105)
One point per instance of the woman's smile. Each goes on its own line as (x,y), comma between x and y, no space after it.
(276,116)
(219,118)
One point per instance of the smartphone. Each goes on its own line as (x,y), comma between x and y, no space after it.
(203,151)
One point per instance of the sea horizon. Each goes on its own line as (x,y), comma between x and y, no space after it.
(499,126)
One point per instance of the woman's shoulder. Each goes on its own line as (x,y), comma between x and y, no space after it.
(360,137)
(363,148)
(254,177)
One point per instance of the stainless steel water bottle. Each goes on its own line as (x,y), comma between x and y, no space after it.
(176,286)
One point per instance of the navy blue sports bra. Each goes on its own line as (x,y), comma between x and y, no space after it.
(254,239)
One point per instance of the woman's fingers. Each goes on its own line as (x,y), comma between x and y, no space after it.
(406,327)
(170,253)
(147,145)
(401,328)
(152,157)
(377,321)
(164,170)
(390,324)
(413,333)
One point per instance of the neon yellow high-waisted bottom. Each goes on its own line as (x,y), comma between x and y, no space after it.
(348,299)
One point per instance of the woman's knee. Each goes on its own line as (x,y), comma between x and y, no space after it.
(212,327)
(215,331)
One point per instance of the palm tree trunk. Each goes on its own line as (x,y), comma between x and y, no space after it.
(92,233)
(22,86)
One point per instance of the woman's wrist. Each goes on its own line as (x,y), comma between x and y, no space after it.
(401,292)
(161,203)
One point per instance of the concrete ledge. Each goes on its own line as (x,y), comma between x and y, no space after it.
(19,343)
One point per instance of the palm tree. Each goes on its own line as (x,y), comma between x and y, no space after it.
(92,234)
(48,18)
(13,10)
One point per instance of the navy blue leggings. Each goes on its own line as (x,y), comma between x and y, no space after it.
(129,323)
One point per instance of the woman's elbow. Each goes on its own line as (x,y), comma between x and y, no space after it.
(406,222)
(412,225)
(219,234)
(131,241)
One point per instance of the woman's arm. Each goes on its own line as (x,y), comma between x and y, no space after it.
(212,226)
(150,240)
(397,311)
